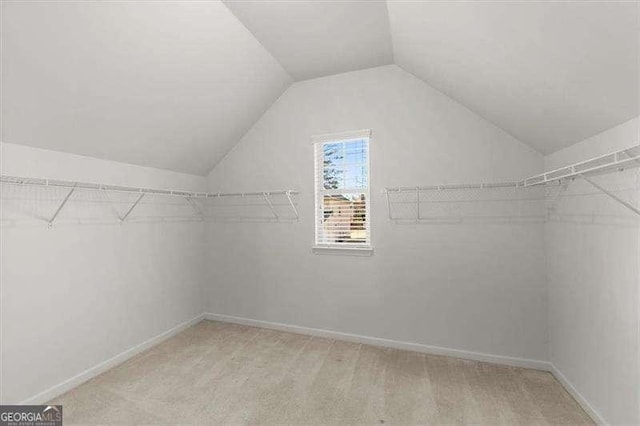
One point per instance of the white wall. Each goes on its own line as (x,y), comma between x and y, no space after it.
(469,287)
(76,295)
(593,255)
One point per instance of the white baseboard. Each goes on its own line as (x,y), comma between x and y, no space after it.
(417,347)
(92,372)
(376,341)
(586,406)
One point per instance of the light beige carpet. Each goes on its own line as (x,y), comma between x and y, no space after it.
(218,373)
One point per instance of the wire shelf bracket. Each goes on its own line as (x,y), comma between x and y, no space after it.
(611,195)
(270,204)
(195,207)
(60,207)
(292,205)
(133,206)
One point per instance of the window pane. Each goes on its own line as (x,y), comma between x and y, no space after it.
(355,177)
(333,178)
(344,219)
(355,152)
(345,165)
(333,160)
(333,153)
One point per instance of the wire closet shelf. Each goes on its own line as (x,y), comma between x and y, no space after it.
(53,200)
(530,199)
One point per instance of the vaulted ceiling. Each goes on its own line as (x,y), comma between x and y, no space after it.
(549,73)
(175,85)
(163,84)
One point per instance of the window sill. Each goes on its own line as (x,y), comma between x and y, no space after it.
(343,251)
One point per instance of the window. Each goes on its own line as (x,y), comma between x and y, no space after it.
(342,191)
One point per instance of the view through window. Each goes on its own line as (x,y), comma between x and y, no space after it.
(342,193)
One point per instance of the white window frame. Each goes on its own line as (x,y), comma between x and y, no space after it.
(359,249)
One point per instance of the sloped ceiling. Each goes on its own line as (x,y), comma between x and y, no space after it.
(549,73)
(314,38)
(175,85)
(170,85)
